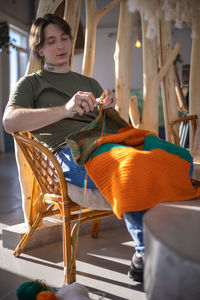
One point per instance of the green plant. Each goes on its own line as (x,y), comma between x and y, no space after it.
(4,36)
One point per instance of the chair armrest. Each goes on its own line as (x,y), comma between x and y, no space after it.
(171,126)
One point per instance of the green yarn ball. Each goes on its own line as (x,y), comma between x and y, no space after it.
(29,290)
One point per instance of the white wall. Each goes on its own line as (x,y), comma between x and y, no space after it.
(104,70)
(184,38)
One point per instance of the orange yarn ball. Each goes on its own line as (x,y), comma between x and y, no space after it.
(46,295)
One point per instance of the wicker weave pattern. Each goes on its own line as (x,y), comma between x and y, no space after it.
(50,196)
(45,171)
(193,123)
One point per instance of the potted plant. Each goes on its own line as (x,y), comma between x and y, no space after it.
(4,37)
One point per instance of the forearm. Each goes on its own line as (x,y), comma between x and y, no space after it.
(18,119)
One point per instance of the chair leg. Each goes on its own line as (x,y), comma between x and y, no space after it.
(20,247)
(72,266)
(69,263)
(95,228)
(73,272)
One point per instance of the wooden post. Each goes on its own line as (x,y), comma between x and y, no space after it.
(44,7)
(181,101)
(72,15)
(150,81)
(25,173)
(90,38)
(122,60)
(165,68)
(47,6)
(134,112)
(93,16)
(167,85)
(194,86)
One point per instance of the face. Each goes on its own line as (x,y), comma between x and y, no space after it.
(57,47)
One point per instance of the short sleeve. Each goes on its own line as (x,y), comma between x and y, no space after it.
(97,89)
(22,94)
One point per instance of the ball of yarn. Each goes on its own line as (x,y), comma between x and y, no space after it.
(29,290)
(46,295)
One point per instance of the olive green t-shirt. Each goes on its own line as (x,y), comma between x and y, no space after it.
(45,89)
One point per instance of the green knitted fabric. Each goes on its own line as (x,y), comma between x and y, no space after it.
(85,141)
(153,142)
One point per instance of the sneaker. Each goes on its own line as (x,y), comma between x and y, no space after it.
(136,268)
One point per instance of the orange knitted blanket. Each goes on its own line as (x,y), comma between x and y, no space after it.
(130,178)
(133,180)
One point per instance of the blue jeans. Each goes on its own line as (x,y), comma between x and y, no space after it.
(76,175)
(134,225)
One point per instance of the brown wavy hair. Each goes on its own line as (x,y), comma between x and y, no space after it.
(37,37)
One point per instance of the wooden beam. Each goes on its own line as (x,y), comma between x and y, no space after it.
(122,60)
(170,110)
(134,112)
(150,80)
(181,102)
(93,16)
(47,6)
(72,15)
(194,84)
(165,68)
(25,173)
(44,7)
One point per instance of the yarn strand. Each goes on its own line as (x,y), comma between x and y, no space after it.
(75,242)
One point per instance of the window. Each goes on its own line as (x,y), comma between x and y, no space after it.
(18,54)
(17,60)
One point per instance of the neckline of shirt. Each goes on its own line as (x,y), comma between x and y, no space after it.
(48,73)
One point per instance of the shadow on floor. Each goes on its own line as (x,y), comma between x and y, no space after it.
(9,283)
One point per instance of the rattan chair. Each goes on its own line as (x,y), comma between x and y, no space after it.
(190,120)
(184,120)
(52,198)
